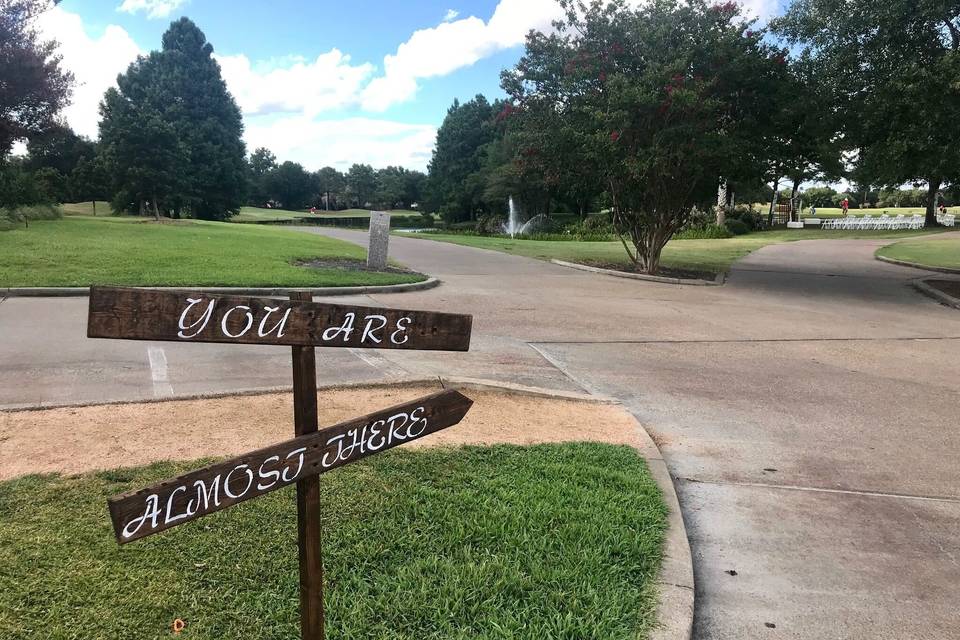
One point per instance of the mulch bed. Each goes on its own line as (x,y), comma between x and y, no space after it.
(663,272)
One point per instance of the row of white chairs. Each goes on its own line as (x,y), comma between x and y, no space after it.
(946,219)
(883,222)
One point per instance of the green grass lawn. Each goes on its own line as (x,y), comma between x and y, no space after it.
(547,541)
(697,255)
(85,208)
(80,250)
(932,252)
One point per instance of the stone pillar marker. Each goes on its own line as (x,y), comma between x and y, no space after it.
(379,240)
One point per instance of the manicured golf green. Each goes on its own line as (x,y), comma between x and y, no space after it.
(80,250)
(548,541)
(697,255)
(942,252)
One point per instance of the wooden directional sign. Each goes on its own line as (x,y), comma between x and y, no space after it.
(173,502)
(185,316)
(189,316)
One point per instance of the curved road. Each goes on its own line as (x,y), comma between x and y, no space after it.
(808,411)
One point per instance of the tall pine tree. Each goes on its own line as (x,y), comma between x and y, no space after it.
(175,103)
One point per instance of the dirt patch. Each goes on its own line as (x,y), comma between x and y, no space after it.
(949,287)
(350,264)
(663,272)
(76,440)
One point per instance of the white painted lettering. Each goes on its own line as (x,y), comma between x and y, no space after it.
(299,464)
(201,321)
(205,493)
(370,330)
(375,432)
(402,325)
(279,327)
(151,512)
(324,462)
(346,328)
(226,482)
(275,474)
(418,419)
(170,518)
(223,322)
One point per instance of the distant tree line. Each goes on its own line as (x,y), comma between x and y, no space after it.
(290,186)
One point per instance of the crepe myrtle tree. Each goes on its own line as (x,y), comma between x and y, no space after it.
(665,97)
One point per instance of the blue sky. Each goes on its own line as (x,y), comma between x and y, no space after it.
(321,83)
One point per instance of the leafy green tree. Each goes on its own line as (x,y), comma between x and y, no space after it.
(175,102)
(33,85)
(331,187)
(291,185)
(668,96)
(398,187)
(59,148)
(891,68)
(89,181)
(453,187)
(361,184)
(261,163)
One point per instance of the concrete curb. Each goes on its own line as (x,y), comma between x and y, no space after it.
(716,282)
(936,294)
(904,263)
(675,585)
(675,604)
(57,292)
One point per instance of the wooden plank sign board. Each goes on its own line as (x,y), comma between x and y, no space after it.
(185,316)
(173,502)
(189,316)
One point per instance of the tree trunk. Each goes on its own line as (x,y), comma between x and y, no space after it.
(141,208)
(773,201)
(721,202)
(94,208)
(156,210)
(933,185)
(793,201)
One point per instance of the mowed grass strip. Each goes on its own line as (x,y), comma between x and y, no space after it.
(942,252)
(80,251)
(697,255)
(545,541)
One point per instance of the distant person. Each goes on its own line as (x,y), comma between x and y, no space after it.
(313,210)
(813,211)
(845,206)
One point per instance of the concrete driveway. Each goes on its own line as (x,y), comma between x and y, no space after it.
(808,411)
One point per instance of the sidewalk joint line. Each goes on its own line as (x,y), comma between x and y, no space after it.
(855,492)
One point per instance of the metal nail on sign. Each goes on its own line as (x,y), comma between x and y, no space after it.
(191,316)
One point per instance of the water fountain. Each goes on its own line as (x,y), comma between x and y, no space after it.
(512,226)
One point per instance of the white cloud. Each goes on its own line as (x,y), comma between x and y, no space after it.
(95,63)
(329,82)
(451,14)
(153,8)
(342,142)
(449,46)
(761,9)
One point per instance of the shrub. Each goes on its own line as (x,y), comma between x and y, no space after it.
(490,224)
(737,227)
(15,216)
(707,232)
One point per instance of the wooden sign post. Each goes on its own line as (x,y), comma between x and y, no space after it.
(145,314)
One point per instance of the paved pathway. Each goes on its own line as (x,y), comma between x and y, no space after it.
(808,411)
